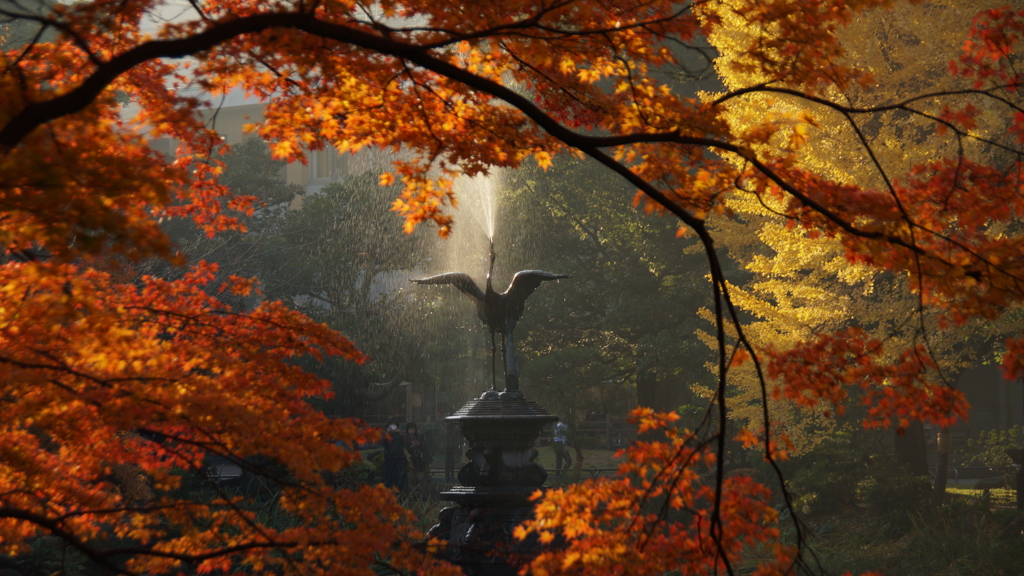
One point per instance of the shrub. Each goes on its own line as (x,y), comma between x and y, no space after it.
(989,448)
(825,480)
(892,495)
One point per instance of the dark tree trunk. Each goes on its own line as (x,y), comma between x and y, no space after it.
(911,449)
(939,492)
(577,444)
(647,389)
(1020,489)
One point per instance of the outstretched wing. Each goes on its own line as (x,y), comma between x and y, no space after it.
(523,284)
(460,280)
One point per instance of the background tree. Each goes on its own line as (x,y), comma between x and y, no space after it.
(802,286)
(342,259)
(634,287)
(339,257)
(799,282)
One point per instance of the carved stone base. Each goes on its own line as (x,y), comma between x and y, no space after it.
(496,484)
(480,537)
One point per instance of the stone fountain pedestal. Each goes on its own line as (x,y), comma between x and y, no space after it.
(495,486)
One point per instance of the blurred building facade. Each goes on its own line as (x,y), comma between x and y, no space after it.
(996,403)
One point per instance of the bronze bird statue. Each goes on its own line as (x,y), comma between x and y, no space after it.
(499,312)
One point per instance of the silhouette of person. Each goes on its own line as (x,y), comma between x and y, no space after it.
(394,456)
(561,445)
(419,458)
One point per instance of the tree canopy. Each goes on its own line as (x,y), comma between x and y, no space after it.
(98,371)
(634,287)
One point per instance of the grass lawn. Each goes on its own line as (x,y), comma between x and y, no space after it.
(999,497)
(597,458)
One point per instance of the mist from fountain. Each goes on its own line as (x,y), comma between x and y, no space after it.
(469,245)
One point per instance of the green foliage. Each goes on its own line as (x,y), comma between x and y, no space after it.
(825,480)
(690,411)
(850,468)
(340,256)
(375,464)
(691,414)
(962,538)
(355,475)
(989,447)
(892,495)
(250,169)
(627,315)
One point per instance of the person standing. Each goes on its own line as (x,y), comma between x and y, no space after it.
(419,457)
(394,456)
(561,445)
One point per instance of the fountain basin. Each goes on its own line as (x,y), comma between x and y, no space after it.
(495,487)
